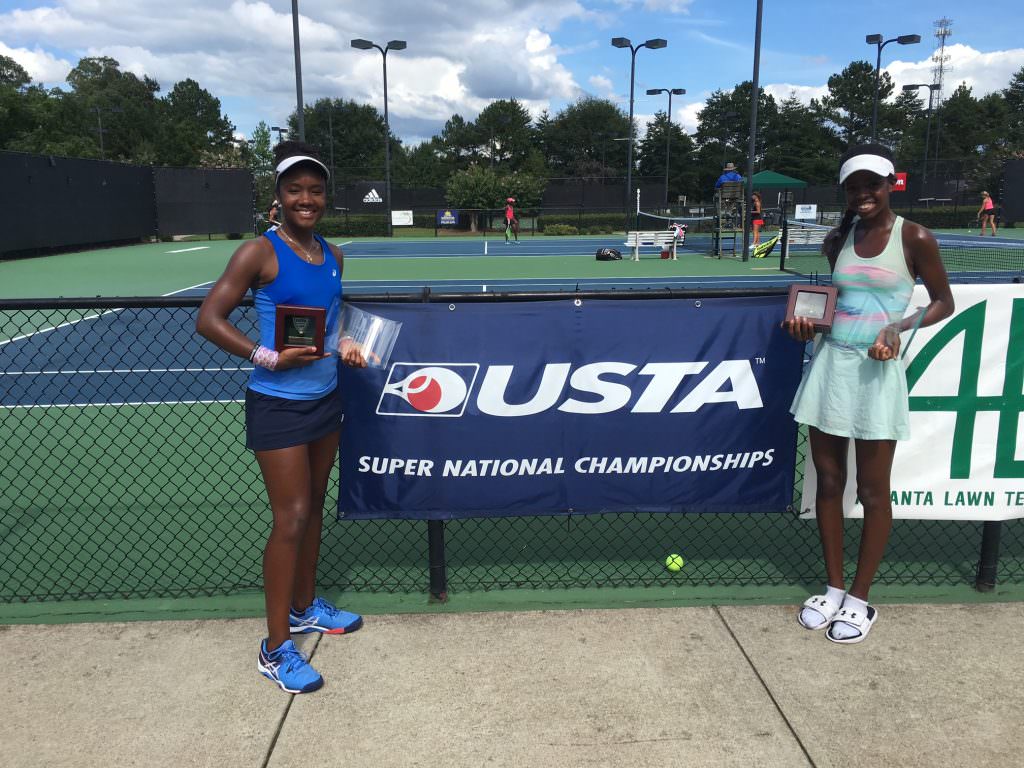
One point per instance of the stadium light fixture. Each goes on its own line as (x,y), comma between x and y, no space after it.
(668,133)
(877,41)
(391,45)
(624,42)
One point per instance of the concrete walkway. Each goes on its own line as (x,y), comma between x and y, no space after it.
(936,685)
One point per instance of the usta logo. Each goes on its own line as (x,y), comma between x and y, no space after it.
(443,389)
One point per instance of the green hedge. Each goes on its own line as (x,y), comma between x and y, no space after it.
(366,225)
(945,218)
(588,223)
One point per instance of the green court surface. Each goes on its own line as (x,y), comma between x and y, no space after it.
(159,269)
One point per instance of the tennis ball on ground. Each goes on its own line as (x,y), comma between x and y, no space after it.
(674,563)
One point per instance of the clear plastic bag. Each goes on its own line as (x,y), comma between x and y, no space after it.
(374,335)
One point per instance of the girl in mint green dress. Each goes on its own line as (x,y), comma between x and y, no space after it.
(855,385)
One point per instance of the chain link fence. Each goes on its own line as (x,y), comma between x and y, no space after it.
(123,474)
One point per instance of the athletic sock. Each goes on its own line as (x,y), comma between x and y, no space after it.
(840,629)
(811,617)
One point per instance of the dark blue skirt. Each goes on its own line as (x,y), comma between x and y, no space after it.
(274,422)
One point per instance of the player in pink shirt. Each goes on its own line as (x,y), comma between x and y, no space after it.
(511,222)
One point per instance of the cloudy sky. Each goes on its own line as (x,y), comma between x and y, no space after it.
(462,55)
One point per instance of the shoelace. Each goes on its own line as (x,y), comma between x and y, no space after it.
(291,657)
(326,607)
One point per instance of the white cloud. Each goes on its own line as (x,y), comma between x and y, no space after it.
(668,6)
(983,72)
(41,66)
(241,51)
(602,86)
(803,93)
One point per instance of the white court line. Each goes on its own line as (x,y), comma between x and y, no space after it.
(92,317)
(342,245)
(186,250)
(100,405)
(125,370)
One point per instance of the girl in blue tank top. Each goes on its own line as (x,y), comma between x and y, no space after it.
(855,385)
(292,408)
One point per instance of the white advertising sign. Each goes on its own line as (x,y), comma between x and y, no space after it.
(806,211)
(965,457)
(401,218)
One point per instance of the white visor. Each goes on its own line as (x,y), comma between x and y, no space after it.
(288,162)
(877,164)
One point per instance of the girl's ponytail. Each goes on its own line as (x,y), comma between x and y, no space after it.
(835,239)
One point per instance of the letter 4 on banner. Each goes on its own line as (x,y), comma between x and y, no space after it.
(965,456)
(575,411)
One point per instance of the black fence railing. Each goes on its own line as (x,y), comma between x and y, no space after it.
(123,473)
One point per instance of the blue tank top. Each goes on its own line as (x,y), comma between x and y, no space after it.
(309,285)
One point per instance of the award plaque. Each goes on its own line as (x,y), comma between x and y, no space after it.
(817,303)
(299,327)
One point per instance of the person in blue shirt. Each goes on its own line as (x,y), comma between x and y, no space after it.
(292,407)
(728,174)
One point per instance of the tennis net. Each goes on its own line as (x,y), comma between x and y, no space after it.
(650,222)
(962,254)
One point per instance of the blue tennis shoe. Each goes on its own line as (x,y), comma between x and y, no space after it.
(287,667)
(323,617)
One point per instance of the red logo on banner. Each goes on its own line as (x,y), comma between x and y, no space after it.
(901,183)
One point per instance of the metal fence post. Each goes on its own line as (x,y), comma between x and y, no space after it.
(988,561)
(437,562)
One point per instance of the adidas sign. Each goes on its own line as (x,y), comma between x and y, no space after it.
(373,197)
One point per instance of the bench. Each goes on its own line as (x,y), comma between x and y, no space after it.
(664,241)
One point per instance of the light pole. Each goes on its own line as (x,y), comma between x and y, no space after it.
(932,88)
(668,133)
(624,42)
(877,40)
(755,98)
(99,121)
(300,111)
(392,45)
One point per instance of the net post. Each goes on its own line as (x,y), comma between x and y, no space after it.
(783,240)
(988,561)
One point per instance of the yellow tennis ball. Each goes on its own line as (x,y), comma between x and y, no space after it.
(674,563)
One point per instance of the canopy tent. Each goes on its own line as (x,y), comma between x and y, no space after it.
(773,180)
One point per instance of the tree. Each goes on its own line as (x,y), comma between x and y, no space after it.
(1014,99)
(12,74)
(504,134)
(801,145)
(682,171)
(849,102)
(424,165)
(192,127)
(458,142)
(483,188)
(723,131)
(124,105)
(580,139)
(357,141)
(15,112)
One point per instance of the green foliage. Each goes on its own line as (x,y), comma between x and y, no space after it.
(12,74)
(580,139)
(662,137)
(482,187)
(560,229)
(584,223)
